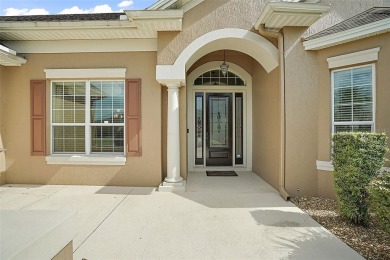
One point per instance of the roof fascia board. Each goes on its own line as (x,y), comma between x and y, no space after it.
(353,34)
(290,8)
(3,48)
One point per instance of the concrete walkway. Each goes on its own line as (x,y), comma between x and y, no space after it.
(216,218)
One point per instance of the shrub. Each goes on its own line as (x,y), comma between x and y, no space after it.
(379,191)
(357,158)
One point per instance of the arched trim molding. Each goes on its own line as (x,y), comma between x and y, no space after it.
(240,40)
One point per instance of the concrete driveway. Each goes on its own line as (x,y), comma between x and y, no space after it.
(216,218)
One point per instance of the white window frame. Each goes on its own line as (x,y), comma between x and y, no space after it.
(104,158)
(373,85)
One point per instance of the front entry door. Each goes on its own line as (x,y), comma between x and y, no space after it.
(219,129)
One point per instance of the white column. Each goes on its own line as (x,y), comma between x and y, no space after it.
(173,135)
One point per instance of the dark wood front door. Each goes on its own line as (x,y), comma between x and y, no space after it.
(219,129)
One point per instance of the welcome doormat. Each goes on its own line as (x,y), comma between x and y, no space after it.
(221,173)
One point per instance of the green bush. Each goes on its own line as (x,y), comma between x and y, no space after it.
(379,191)
(357,159)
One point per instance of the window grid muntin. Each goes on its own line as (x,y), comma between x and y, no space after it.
(351,123)
(215,77)
(87,125)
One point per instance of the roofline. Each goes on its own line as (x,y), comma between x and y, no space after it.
(42,25)
(357,33)
(93,24)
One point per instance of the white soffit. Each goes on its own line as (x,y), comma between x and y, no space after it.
(353,34)
(276,15)
(8,57)
(353,58)
(85,73)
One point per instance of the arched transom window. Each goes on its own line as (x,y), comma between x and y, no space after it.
(215,77)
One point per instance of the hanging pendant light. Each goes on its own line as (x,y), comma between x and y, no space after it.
(224,67)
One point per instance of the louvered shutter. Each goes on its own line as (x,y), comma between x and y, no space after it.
(133,117)
(38,117)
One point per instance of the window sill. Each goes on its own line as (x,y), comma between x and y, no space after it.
(328,166)
(86,160)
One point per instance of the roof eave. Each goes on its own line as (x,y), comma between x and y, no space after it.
(8,57)
(353,34)
(167,20)
(276,15)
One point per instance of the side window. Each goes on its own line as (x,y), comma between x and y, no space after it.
(353,99)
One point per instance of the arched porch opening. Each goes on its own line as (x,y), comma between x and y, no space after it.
(250,44)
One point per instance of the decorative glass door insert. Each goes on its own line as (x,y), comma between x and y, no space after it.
(219,129)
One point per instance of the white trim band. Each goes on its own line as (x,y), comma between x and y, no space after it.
(353,58)
(81,46)
(86,160)
(85,73)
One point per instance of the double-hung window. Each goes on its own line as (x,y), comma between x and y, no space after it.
(353,99)
(87,117)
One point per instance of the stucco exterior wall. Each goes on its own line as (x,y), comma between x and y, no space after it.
(138,171)
(218,14)
(266,124)
(382,120)
(301,94)
(206,17)
(2,103)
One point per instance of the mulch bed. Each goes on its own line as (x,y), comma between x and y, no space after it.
(371,242)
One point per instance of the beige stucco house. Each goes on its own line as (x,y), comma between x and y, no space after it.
(142,98)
